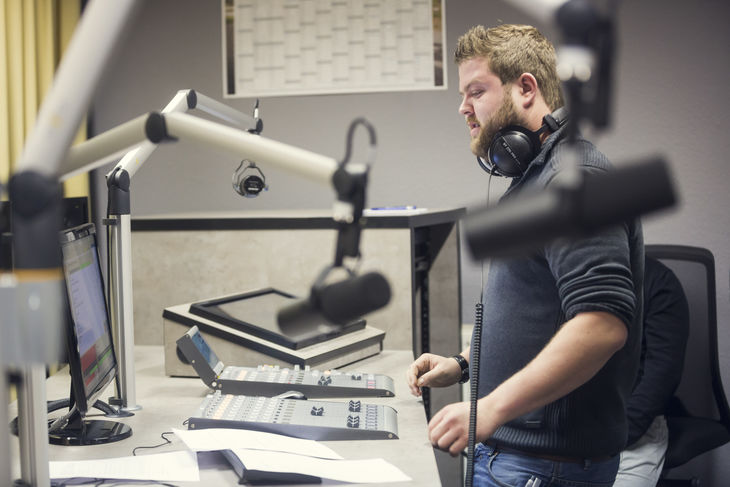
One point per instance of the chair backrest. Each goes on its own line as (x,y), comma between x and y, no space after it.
(700,389)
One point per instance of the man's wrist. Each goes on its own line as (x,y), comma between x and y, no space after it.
(464,365)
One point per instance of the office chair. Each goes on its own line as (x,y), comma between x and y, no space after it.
(698,417)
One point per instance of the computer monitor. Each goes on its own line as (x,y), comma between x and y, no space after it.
(91,358)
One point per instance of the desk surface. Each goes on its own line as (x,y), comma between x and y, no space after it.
(168,401)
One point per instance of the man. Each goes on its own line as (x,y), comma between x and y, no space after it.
(665,333)
(561,330)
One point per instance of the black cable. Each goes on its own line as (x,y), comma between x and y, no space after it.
(108,232)
(350,133)
(73,481)
(474,383)
(134,451)
(108,482)
(108,222)
(134,482)
(475,348)
(162,435)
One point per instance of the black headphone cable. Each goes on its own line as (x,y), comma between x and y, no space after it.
(476,343)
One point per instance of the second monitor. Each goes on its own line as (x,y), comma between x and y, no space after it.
(91,357)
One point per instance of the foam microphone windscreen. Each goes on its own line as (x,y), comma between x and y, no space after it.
(528,221)
(352,298)
(336,304)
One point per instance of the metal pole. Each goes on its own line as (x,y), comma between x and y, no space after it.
(33,426)
(121,308)
(4,430)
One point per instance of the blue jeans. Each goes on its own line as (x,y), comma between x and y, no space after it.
(506,469)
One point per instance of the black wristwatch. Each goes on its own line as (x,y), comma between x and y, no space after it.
(464,368)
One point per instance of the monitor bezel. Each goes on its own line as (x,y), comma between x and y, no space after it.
(82,401)
(209,309)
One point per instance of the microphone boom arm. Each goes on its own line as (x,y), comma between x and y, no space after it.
(349,181)
(170,127)
(96,152)
(102,148)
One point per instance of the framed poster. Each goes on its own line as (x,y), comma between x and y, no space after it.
(305,47)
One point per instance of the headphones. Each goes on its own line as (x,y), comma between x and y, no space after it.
(249,185)
(514,147)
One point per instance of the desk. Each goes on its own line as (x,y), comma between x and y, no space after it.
(185,258)
(168,401)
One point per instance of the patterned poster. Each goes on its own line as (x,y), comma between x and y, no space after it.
(302,47)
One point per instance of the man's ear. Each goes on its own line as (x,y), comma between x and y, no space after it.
(527,89)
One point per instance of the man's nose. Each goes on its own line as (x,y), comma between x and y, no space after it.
(465,108)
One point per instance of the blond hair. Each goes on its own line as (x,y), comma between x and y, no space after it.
(512,50)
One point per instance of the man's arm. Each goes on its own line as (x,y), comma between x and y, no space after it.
(575,354)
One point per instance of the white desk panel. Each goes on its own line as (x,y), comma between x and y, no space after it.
(168,401)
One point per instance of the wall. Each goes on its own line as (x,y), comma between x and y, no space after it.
(672,74)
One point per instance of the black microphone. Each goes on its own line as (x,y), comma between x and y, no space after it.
(525,222)
(335,305)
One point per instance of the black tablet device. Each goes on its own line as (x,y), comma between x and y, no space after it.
(255,313)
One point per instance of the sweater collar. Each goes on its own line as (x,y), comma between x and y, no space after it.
(541,157)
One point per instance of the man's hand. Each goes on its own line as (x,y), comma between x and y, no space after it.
(575,354)
(448,430)
(431,370)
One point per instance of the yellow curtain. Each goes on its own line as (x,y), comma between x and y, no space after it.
(33,36)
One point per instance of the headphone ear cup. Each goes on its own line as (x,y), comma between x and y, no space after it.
(511,151)
(487,166)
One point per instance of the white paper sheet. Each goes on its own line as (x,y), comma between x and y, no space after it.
(177,466)
(371,471)
(231,439)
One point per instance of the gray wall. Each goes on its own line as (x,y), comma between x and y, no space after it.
(672,74)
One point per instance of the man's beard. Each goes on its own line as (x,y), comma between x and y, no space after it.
(505,116)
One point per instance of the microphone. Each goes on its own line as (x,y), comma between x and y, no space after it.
(250,185)
(519,225)
(335,305)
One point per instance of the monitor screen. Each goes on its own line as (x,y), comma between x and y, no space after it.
(209,355)
(91,353)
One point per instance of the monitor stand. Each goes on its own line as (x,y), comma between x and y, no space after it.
(75,430)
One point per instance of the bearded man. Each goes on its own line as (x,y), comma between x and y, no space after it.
(562,326)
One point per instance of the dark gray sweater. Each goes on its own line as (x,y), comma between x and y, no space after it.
(527,299)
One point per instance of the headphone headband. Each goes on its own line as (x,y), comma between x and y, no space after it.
(555,120)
